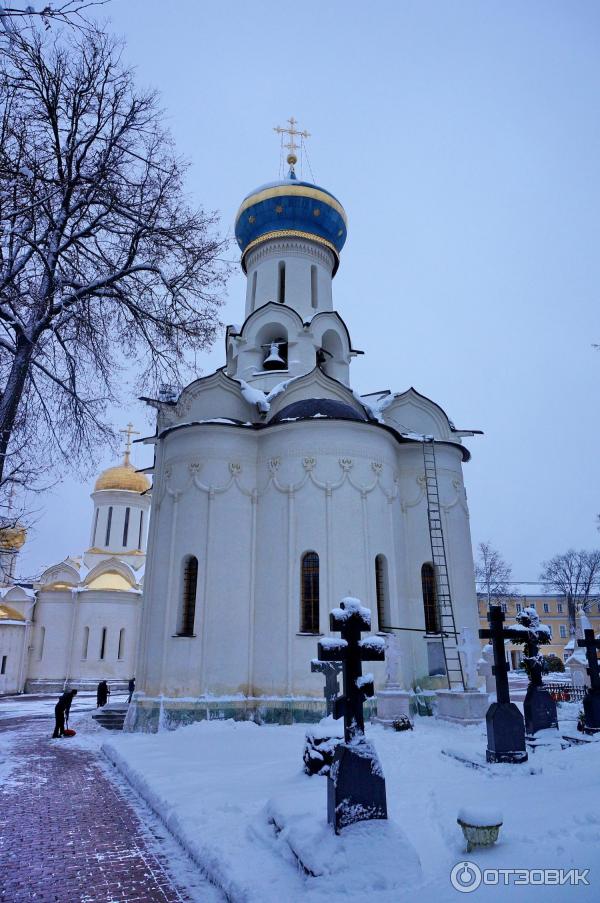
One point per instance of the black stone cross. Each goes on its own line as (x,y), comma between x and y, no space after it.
(351,620)
(355,784)
(591,700)
(497,634)
(591,645)
(538,706)
(332,687)
(505,724)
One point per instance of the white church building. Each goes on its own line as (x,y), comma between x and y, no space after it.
(278,490)
(79,622)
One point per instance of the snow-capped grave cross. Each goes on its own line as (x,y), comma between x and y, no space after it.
(351,619)
(538,706)
(591,700)
(332,687)
(505,725)
(355,785)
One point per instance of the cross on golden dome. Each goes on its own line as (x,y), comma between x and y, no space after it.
(293,132)
(129,430)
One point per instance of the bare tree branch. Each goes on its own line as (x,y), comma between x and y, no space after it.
(103,263)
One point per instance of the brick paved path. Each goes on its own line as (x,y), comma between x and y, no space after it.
(71,834)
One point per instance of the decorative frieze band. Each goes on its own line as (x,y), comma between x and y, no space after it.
(309,466)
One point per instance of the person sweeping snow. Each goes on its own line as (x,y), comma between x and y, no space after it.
(61,713)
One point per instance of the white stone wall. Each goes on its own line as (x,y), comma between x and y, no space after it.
(64,616)
(119,501)
(299,256)
(12,639)
(248,505)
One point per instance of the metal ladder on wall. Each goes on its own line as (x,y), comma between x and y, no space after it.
(454,670)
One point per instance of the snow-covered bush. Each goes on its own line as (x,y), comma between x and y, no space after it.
(319,751)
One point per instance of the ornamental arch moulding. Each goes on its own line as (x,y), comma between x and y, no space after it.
(316,384)
(412,412)
(212,397)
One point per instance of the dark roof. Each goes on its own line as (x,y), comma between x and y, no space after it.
(318,407)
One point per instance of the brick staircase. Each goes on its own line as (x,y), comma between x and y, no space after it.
(111,716)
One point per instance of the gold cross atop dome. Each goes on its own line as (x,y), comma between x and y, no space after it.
(293,132)
(129,430)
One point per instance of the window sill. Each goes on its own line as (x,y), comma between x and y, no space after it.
(183,636)
(309,634)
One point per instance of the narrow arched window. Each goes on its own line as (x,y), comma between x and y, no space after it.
(314,300)
(382,592)
(95,527)
(253,295)
(121,651)
(141,529)
(430,606)
(42,639)
(86,641)
(281,282)
(187,610)
(309,591)
(103,644)
(126,527)
(108,524)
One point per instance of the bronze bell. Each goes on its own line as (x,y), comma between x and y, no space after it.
(274,360)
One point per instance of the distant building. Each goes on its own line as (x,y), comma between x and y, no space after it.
(79,622)
(552,610)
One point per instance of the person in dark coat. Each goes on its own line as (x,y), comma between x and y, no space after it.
(131,688)
(102,694)
(61,712)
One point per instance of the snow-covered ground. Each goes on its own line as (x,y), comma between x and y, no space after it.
(25,706)
(236,797)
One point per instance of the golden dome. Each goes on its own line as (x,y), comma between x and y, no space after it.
(12,538)
(123,476)
(10,614)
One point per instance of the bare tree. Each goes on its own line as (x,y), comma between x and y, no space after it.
(14,18)
(103,263)
(493,574)
(576,575)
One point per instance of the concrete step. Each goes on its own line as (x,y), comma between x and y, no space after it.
(111,718)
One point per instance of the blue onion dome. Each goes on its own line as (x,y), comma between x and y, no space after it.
(325,408)
(291,208)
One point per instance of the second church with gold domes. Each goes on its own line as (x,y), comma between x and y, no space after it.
(79,623)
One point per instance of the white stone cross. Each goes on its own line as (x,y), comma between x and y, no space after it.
(470,650)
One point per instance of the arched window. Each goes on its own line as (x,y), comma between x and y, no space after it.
(281,282)
(103,644)
(95,527)
(187,610)
(253,295)
(309,592)
(126,527)
(108,523)
(121,652)
(430,606)
(141,529)
(42,638)
(314,299)
(382,592)
(86,641)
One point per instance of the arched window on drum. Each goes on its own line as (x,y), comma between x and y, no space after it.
(187,602)
(382,593)
(430,605)
(309,593)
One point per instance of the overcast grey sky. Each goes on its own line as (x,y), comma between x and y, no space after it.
(463,140)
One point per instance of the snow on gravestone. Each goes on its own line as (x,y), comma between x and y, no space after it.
(355,784)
